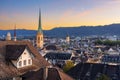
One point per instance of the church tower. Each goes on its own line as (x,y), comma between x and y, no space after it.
(15,39)
(39,36)
(68,39)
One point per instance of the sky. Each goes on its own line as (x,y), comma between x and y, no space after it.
(58,13)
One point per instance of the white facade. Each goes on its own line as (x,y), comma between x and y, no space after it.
(112,52)
(68,39)
(24,60)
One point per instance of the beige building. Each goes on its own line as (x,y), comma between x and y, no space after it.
(68,39)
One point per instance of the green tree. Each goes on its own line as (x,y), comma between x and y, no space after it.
(103,77)
(68,66)
(108,42)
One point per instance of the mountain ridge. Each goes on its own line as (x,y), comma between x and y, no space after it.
(113,29)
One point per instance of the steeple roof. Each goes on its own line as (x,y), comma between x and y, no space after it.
(39,24)
(15,31)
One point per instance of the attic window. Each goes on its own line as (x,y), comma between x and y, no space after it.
(20,63)
(24,62)
(24,53)
(29,61)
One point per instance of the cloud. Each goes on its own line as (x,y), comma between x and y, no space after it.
(106,13)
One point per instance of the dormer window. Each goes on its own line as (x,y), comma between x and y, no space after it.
(20,63)
(19,55)
(24,62)
(29,61)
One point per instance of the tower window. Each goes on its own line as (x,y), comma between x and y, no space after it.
(41,38)
(38,39)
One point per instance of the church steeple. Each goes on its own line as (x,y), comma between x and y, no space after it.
(39,36)
(39,24)
(15,33)
(68,38)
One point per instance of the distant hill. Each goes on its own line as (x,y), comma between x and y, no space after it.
(113,29)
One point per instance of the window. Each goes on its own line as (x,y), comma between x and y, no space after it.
(24,62)
(24,53)
(38,39)
(41,38)
(20,63)
(29,61)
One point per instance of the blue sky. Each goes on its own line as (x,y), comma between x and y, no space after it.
(58,13)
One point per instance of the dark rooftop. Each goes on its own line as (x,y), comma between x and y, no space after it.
(14,51)
(59,56)
(51,74)
(85,71)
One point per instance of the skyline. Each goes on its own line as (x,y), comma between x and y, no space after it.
(62,13)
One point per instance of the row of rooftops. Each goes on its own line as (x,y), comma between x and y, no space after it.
(9,49)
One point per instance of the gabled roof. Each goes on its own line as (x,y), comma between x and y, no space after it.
(51,74)
(10,71)
(13,52)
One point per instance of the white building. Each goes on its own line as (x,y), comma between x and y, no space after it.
(19,55)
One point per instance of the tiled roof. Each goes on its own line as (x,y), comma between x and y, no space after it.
(51,74)
(59,56)
(8,70)
(85,71)
(51,47)
(14,51)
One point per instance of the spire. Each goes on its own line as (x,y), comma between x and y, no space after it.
(15,33)
(39,24)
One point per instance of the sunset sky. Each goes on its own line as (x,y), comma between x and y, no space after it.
(58,13)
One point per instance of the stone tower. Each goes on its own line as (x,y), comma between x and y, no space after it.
(68,39)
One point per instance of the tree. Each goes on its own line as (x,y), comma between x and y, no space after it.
(103,77)
(68,66)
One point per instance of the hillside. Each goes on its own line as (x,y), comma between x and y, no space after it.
(113,29)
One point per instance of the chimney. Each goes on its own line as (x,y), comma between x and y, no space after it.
(45,73)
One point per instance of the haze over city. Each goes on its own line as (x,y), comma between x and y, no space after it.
(58,13)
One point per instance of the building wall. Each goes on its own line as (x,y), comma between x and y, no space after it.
(68,39)
(39,40)
(24,60)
